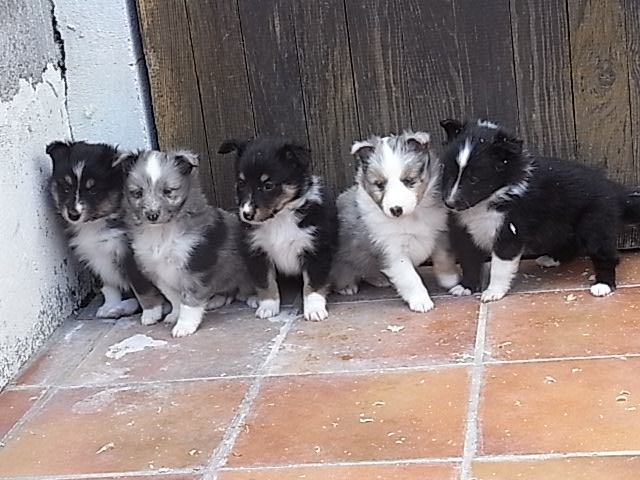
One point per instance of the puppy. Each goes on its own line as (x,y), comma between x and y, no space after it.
(87,191)
(393,220)
(290,222)
(187,248)
(508,202)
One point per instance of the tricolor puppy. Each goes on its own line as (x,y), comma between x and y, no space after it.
(508,202)
(290,222)
(393,220)
(87,191)
(187,247)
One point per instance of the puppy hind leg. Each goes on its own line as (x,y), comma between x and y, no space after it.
(269,297)
(501,276)
(600,245)
(113,305)
(444,267)
(314,300)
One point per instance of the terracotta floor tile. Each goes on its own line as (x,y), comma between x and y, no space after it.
(369,292)
(592,468)
(229,342)
(14,404)
(565,406)
(574,274)
(560,324)
(63,352)
(361,336)
(134,429)
(352,472)
(383,416)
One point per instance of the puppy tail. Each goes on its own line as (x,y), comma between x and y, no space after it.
(631,207)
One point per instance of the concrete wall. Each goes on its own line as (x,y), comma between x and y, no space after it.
(70,70)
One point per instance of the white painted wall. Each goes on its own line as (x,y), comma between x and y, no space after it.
(97,97)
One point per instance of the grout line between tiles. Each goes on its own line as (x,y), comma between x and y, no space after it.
(221,453)
(618,356)
(514,457)
(471,426)
(30,413)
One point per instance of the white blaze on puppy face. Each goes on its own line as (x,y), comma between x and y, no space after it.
(396,194)
(462,159)
(78,168)
(153,168)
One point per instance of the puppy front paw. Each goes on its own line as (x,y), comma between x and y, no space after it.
(151,315)
(315,307)
(123,308)
(183,329)
(172,317)
(421,303)
(348,290)
(252,301)
(545,261)
(269,307)
(460,291)
(492,295)
(218,301)
(600,290)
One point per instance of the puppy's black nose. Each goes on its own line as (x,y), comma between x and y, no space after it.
(449,203)
(248,215)
(396,211)
(73,215)
(152,216)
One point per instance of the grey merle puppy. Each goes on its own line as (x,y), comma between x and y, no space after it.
(393,220)
(187,247)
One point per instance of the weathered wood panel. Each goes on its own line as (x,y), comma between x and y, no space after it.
(327,83)
(601,87)
(375,37)
(175,94)
(274,71)
(543,74)
(224,87)
(632,15)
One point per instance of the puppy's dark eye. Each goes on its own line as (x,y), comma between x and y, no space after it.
(168,191)
(240,182)
(268,186)
(380,184)
(409,182)
(136,193)
(473,180)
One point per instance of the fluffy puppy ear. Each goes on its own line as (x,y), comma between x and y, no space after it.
(125,160)
(232,145)
(417,140)
(58,151)
(362,150)
(452,127)
(296,153)
(186,161)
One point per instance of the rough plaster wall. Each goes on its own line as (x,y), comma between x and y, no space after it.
(106,100)
(68,72)
(39,284)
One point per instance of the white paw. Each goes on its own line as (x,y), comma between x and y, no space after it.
(218,301)
(151,315)
(349,290)
(459,291)
(379,282)
(123,308)
(600,290)
(448,280)
(492,294)
(182,329)
(421,303)
(546,261)
(172,317)
(269,307)
(315,307)
(252,301)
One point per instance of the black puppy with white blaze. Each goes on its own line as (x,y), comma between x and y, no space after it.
(509,202)
(291,223)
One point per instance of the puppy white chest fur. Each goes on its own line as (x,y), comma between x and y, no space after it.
(163,251)
(283,241)
(413,236)
(102,247)
(483,224)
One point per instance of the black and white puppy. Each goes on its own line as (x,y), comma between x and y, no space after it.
(509,202)
(87,191)
(394,219)
(291,224)
(187,247)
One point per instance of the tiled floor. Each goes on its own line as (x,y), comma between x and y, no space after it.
(541,385)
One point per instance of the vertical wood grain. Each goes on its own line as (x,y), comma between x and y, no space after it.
(274,72)
(632,15)
(543,74)
(328,88)
(375,38)
(174,85)
(601,87)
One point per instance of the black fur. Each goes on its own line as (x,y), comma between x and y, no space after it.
(551,206)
